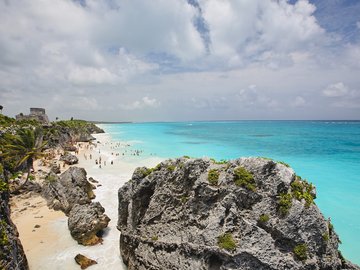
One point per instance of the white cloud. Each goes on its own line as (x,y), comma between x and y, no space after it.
(89,76)
(358,24)
(249,28)
(252,97)
(336,90)
(145,102)
(299,102)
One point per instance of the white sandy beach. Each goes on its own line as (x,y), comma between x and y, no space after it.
(50,246)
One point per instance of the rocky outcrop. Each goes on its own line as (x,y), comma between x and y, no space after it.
(70,148)
(72,193)
(85,221)
(250,213)
(70,188)
(12,256)
(69,159)
(71,131)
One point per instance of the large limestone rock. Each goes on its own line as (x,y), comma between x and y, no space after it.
(12,256)
(250,213)
(86,223)
(69,159)
(70,188)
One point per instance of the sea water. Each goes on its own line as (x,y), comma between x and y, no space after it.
(326,153)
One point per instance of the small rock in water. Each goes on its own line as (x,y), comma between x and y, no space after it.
(83,261)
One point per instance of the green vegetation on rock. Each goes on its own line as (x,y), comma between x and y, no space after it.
(171,168)
(300,252)
(155,238)
(285,203)
(284,163)
(263,218)
(326,237)
(244,179)
(302,190)
(3,236)
(226,241)
(222,161)
(213,177)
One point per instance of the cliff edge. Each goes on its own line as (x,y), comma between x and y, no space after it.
(249,213)
(12,256)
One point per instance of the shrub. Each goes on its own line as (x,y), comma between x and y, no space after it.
(300,252)
(263,218)
(3,236)
(285,203)
(226,241)
(244,178)
(187,157)
(213,177)
(3,186)
(302,190)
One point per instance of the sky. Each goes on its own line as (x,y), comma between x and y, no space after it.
(178,60)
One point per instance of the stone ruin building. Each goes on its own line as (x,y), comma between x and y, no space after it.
(35,114)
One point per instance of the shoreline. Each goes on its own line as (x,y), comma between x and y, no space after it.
(51,246)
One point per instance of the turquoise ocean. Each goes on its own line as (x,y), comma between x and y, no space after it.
(326,153)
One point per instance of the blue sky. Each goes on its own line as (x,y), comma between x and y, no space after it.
(170,60)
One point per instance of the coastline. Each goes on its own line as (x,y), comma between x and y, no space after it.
(51,246)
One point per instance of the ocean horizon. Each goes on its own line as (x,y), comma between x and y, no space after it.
(325,152)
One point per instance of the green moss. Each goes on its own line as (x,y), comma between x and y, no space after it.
(244,179)
(171,168)
(31,177)
(184,199)
(155,238)
(222,161)
(300,252)
(267,158)
(213,177)
(50,178)
(284,203)
(226,241)
(263,218)
(284,163)
(326,237)
(146,171)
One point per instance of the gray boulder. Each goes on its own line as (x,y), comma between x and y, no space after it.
(70,148)
(70,188)
(86,223)
(69,159)
(250,213)
(55,168)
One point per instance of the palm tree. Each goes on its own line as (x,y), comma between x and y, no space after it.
(25,147)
